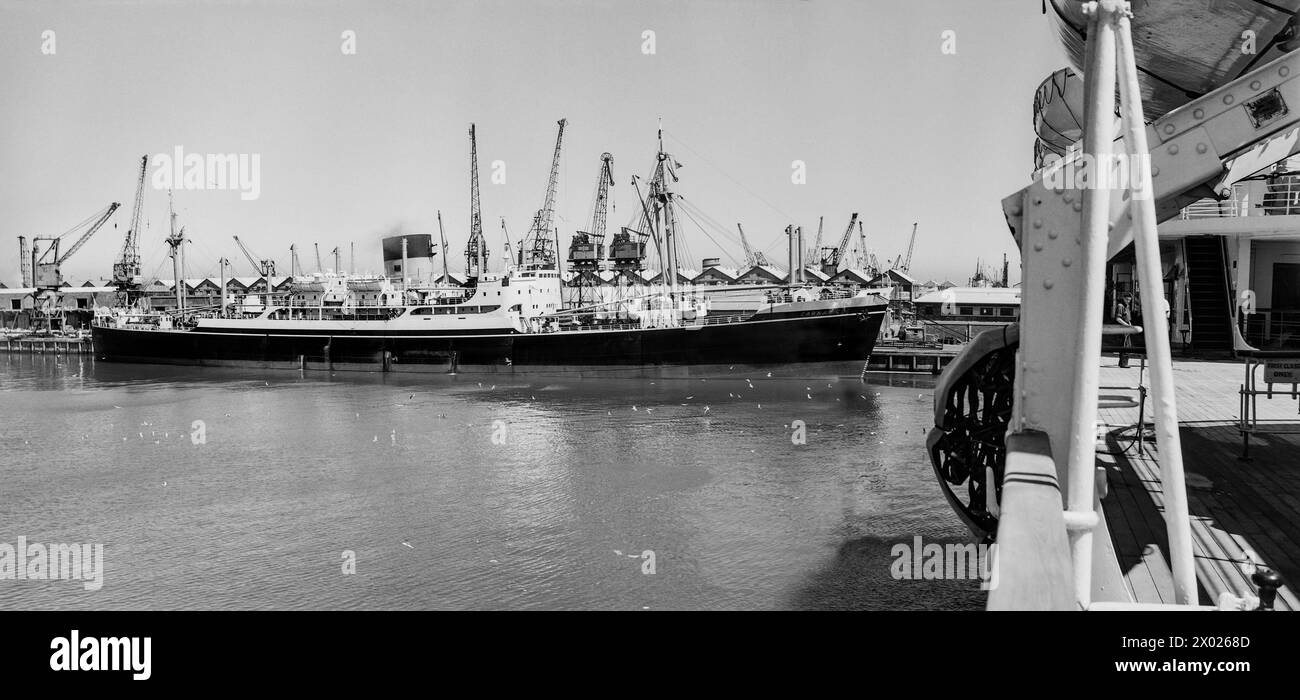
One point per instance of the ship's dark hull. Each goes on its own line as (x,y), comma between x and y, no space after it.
(823,345)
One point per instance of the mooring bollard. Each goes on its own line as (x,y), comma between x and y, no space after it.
(1268,582)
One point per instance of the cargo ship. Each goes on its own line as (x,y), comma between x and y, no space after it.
(510,324)
(516,321)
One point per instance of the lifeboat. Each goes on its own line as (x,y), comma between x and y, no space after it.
(1186,48)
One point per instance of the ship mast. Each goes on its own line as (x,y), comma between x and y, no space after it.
(442,236)
(174,242)
(662,195)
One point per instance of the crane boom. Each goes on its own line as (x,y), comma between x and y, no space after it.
(265,268)
(126,270)
(863,259)
(837,256)
(249,255)
(587,248)
(907,261)
(538,241)
(744,242)
(599,212)
(505,233)
(815,252)
(752,257)
(103,217)
(476,249)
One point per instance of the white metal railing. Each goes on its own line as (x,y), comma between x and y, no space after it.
(1238,204)
(1279,196)
(636,325)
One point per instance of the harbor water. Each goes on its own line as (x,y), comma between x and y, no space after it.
(245,489)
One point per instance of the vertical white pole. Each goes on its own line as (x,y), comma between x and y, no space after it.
(798,232)
(1155,327)
(793,255)
(222,264)
(1099,79)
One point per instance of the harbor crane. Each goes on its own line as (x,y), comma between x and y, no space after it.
(817,242)
(833,257)
(866,261)
(46,266)
(535,252)
(127,275)
(476,250)
(587,248)
(295,265)
(338,260)
(752,257)
(319,268)
(263,267)
(904,264)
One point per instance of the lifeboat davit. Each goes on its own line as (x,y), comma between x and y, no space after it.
(1186,48)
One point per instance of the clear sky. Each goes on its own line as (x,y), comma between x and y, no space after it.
(353,147)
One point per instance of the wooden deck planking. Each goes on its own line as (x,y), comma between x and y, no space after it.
(1140,547)
(1247,505)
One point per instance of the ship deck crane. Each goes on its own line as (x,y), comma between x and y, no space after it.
(535,251)
(507,247)
(442,248)
(46,266)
